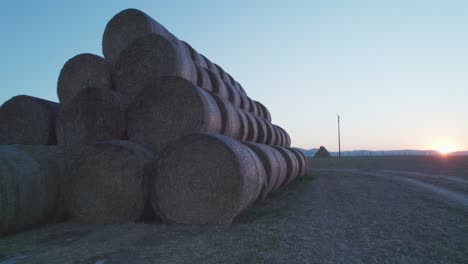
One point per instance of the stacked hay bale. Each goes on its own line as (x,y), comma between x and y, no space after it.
(29,185)
(28,120)
(151,126)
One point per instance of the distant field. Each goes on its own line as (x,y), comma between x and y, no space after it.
(447,165)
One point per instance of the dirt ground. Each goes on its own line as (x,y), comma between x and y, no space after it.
(338,213)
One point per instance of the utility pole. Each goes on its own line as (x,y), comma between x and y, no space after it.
(339,137)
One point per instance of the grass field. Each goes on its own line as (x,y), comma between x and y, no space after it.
(447,165)
(339,213)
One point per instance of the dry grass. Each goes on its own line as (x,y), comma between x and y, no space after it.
(448,165)
(321,218)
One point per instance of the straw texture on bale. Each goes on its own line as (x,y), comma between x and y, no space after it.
(29,184)
(203,78)
(252,132)
(126,27)
(271,163)
(233,94)
(212,67)
(252,106)
(282,168)
(271,134)
(206,179)
(279,135)
(110,183)
(131,24)
(284,136)
(302,161)
(239,87)
(83,71)
(263,111)
(224,76)
(169,107)
(244,102)
(28,120)
(231,124)
(218,87)
(287,138)
(196,57)
(147,58)
(262,129)
(292,164)
(244,124)
(95,114)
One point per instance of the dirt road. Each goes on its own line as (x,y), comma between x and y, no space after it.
(331,216)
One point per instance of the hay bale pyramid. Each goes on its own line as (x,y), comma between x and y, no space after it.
(153,125)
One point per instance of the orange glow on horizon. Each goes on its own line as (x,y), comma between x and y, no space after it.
(444,148)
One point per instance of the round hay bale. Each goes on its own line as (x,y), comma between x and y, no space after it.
(29,177)
(244,101)
(302,161)
(224,76)
(286,138)
(82,71)
(263,111)
(206,179)
(292,164)
(252,134)
(233,94)
(169,107)
(231,124)
(272,164)
(271,134)
(244,124)
(93,115)
(110,183)
(259,110)
(147,58)
(232,81)
(262,129)
(282,169)
(280,136)
(322,152)
(252,106)
(196,57)
(212,67)
(239,87)
(203,78)
(217,85)
(126,27)
(28,120)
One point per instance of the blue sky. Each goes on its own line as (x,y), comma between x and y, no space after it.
(396,70)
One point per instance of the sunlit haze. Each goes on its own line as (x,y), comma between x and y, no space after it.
(395,71)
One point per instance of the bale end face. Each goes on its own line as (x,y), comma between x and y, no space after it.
(28,120)
(80,72)
(168,108)
(94,115)
(147,58)
(127,26)
(291,164)
(206,179)
(109,183)
(29,177)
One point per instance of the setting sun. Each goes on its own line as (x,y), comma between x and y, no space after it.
(444,148)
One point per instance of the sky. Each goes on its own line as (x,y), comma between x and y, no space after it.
(396,71)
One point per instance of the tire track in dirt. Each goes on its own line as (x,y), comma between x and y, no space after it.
(458,197)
